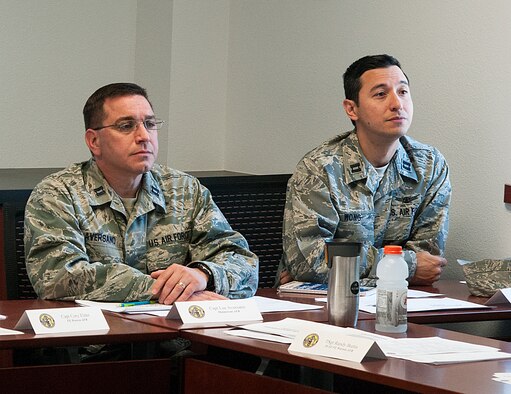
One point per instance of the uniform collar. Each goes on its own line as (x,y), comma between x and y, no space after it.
(100,191)
(357,167)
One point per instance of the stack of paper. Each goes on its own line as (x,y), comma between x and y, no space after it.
(432,350)
(419,301)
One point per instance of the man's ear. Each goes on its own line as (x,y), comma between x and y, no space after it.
(351,109)
(92,141)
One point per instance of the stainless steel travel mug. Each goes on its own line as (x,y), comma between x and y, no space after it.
(343,282)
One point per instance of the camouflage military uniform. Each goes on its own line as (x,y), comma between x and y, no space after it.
(486,277)
(82,244)
(336,193)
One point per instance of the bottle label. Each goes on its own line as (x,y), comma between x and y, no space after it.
(391,307)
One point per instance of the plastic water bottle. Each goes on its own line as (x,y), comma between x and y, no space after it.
(391,291)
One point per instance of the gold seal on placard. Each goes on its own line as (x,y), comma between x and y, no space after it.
(310,340)
(196,311)
(46,320)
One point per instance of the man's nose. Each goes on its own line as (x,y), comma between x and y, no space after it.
(142,134)
(395,101)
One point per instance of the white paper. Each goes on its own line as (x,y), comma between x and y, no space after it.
(453,358)
(266,304)
(433,350)
(502,377)
(370,297)
(287,327)
(412,293)
(6,331)
(401,347)
(425,304)
(259,335)
(116,307)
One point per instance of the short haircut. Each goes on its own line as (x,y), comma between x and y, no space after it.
(93,111)
(353,73)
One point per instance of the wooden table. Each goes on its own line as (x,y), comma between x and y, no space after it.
(98,377)
(318,315)
(373,375)
(493,322)
(121,330)
(459,291)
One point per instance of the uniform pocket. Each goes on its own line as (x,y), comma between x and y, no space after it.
(355,225)
(401,217)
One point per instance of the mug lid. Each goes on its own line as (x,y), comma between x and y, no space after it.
(341,248)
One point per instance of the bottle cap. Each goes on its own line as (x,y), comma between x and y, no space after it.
(392,249)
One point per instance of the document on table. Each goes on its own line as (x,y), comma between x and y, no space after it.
(118,307)
(411,294)
(6,331)
(265,304)
(430,350)
(285,330)
(435,350)
(424,304)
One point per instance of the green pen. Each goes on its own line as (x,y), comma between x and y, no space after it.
(135,303)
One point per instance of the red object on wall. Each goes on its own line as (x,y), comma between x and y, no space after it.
(507,194)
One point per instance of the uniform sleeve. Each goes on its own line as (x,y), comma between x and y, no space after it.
(56,259)
(431,224)
(223,250)
(309,219)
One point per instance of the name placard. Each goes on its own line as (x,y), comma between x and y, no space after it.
(502,296)
(63,320)
(330,341)
(215,313)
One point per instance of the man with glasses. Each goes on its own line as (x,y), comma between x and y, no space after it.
(119,227)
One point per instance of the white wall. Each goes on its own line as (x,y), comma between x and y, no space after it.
(198,84)
(153,60)
(252,85)
(53,55)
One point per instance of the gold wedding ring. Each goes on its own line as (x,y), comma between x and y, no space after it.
(182,285)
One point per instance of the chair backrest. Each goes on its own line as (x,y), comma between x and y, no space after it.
(14,284)
(254,206)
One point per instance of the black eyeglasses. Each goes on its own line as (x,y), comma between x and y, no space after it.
(130,125)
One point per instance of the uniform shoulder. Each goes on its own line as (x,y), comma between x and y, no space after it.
(170,176)
(415,147)
(66,176)
(330,147)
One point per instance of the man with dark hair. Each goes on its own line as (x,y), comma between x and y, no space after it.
(119,227)
(373,185)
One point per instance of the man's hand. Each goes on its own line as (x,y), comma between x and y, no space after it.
(177,283)
(205,296)
(285,277)
(429,269)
